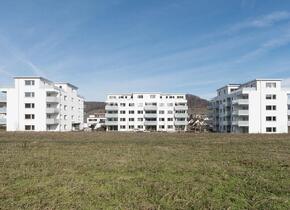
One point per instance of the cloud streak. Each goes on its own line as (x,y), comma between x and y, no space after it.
(263,21)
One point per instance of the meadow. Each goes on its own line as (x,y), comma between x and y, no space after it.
(144,171)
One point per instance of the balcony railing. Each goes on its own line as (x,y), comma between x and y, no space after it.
(111,122)
(241,123)
(241,112)
(178,107)
(2,121)
(111,107)
(52,121)
(181,115)
(150,123)
(111,115)
(180,122)
(241,101)
(52,99)
(150,115)
(150,107)
(3,110)
(52,110)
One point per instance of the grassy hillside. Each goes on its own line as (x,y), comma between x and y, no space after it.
(144,171)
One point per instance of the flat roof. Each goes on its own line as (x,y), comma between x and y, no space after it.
(32,77)
(147,93)
(66,83)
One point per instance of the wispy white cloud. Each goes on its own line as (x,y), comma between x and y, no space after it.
(267,46)
(20,56)
(263,21)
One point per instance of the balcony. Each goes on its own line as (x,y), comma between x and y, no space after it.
(241,101)
(52,110)
(181,115)
(241,112)
(111,115)
(111,107)
(150,123)
(52,99)
(241,123)
(150,115)
(150,107)
(178,107)
(2,121)
(180,122)
(111,122)
(52,121)
(3,110)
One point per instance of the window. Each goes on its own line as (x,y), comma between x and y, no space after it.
(140,126)
(161,104)
(131,104)
(270,97)
(169,112)
(65,117)
(170,104)
(131,119)
(271,129)
(288,106)
(140,96)
(161,126)
(122,112)
(270,84)
(29,127)
(152,96)
(29,105)
(29,94)
(180,96)
(169,119)
(140,119)
(65,98)
(29,116)
(288,117)
(122,126)
(269,107)
(29,82)
(65,107)
(270,118)
(161,111)
(122,119)
(131,126)
(170,126)
(122,104)
(161,119)
(140,111)
(131,112)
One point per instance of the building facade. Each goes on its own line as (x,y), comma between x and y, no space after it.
(146,112)
(2,110)
(258,106)
(37,104)
(96,121)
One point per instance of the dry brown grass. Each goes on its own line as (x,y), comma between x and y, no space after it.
(144,171)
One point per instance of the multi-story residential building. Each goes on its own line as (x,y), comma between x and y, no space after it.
(288,104)
(96,121)
(2,110)
(146,112)
(258,106)
(37,104)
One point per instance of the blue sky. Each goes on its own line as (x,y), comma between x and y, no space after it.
(110,46)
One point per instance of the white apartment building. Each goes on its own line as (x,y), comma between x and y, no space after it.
(258,106)
(2,110)
(146,112)
(37,104)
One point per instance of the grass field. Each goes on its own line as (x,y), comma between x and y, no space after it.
(144,171)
